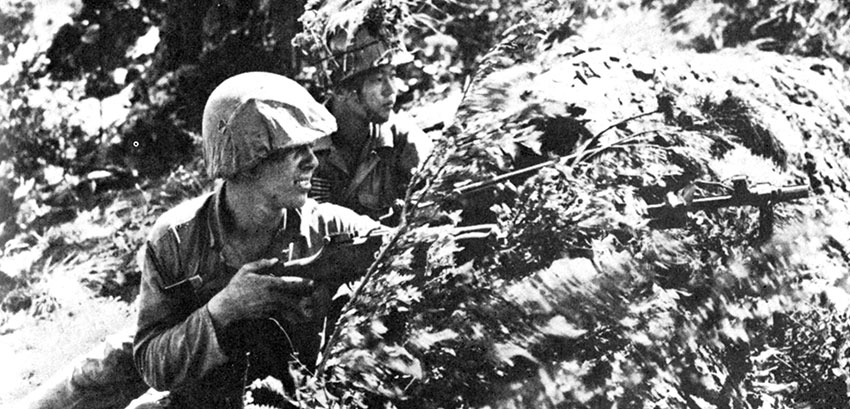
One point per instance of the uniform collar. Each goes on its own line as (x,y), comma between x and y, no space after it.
(380,136)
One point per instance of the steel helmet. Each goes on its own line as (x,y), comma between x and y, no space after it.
(352,55)
(250,115)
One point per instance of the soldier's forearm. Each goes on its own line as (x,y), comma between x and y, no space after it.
(177,355)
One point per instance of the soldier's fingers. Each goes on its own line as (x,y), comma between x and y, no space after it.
(259,264)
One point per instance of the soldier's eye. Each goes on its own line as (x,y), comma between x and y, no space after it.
(280,154)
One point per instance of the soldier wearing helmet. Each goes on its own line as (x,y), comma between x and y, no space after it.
(367,164)
(207,320)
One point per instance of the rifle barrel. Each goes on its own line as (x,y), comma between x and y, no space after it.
(758,198)
(346,256)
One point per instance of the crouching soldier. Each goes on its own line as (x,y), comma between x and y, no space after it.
(367,164)
(209,320)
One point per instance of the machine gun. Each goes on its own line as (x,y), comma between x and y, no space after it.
(672,212)
(347,256)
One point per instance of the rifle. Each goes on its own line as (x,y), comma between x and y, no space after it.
(347,256)
(672,212)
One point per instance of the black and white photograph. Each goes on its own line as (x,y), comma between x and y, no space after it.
(425,204)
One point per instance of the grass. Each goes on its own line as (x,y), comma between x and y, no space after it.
(81,280)
(43,346)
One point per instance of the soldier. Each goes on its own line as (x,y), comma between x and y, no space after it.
(200,293)
(367,163)
(208,322)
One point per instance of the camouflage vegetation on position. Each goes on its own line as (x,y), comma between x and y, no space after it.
(579,304)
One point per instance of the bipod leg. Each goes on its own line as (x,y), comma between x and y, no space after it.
(766,219)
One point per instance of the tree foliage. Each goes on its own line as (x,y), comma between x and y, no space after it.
(579,302)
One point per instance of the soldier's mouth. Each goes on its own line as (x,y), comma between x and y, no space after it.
(303,184)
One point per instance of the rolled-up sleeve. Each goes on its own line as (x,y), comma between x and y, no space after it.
(175,342)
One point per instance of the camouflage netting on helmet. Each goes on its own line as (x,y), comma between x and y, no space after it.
(335,34)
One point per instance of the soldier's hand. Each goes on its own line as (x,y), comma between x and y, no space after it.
(250,295)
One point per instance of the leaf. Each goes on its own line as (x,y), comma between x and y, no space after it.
(53,174)
(734,332)
(551,387)
(640,338)
(402,261)
(406,296)
(575,270)
(507,352)
(776,388)
(270,384)
(23,189)
(702,403)
(398,359)
(559,327)
(424,340)
(378,327)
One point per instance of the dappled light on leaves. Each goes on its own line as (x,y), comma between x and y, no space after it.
(576,299)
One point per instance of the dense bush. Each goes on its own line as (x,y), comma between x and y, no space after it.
(804,27)
(582,303)
(579,302)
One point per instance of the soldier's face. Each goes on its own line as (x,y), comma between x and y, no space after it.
(284,177)
(378,93)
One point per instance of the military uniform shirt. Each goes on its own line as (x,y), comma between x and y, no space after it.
(176,347)
(380,173)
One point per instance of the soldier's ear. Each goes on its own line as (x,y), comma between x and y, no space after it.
(345,92)
(348,94)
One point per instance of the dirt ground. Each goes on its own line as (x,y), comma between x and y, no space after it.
(42,347)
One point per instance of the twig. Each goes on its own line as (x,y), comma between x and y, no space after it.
(596,137)
(320,368)
(583,153)
(616,144)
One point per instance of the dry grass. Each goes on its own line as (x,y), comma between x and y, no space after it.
(42,346)
(74,285)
